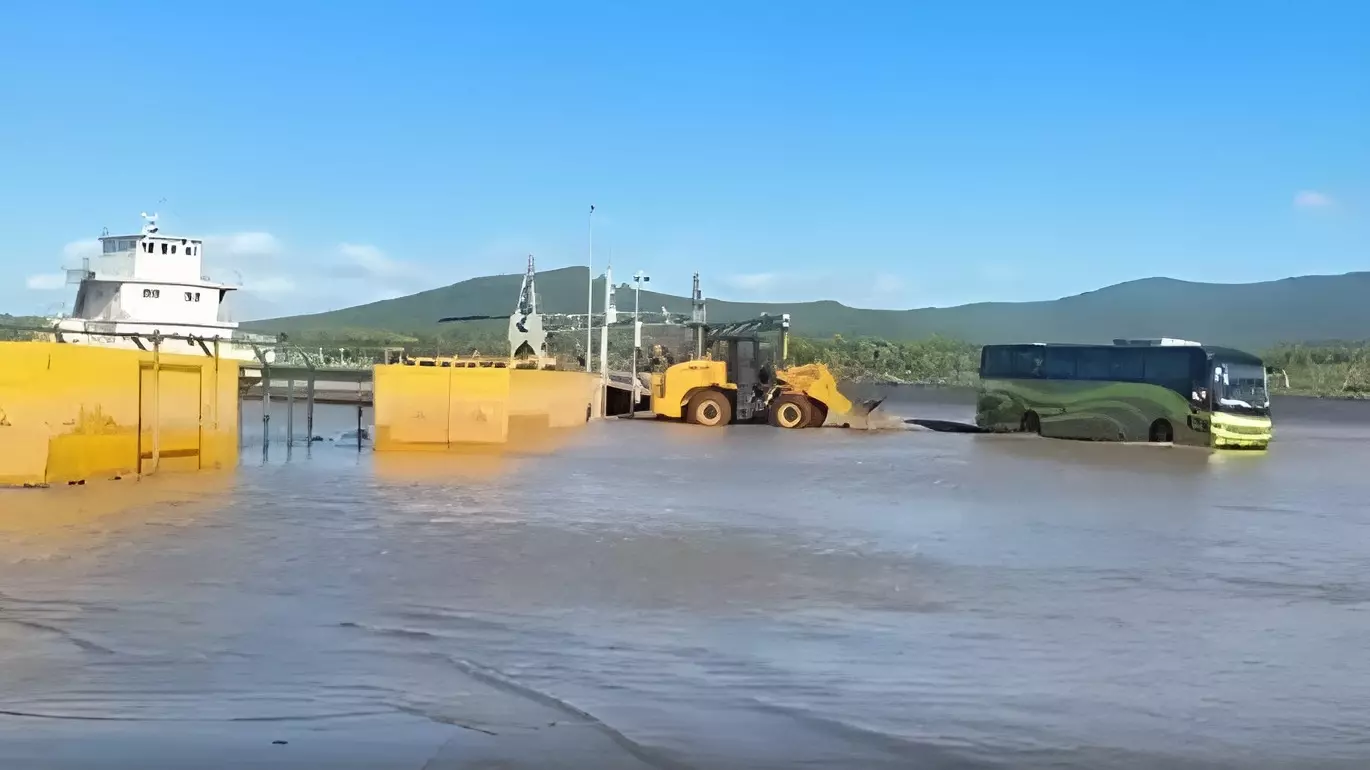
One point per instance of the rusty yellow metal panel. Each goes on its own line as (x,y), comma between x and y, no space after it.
(479,406)
(219,415)
(74,412)
(457,403)
(24,410)
(563,399)
(411,406)
(93,413)
(171,402)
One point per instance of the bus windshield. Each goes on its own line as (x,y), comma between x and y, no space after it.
(1240,389)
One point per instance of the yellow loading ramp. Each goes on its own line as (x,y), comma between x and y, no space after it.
(72,413)
(444,403)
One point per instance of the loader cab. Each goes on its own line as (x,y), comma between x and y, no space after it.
(749,360)
(736,360)
(742,367)
(751,351)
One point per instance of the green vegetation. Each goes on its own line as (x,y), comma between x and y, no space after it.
(931,345)
(11,327)
(938,346)
(1338,370)
(1250,316)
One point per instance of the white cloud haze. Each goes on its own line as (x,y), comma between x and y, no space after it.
(46,282)
(1312,199)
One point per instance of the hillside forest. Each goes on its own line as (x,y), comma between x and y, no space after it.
(1330,369)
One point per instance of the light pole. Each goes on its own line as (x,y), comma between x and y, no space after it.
(590,291)
(639,278)
(610,317)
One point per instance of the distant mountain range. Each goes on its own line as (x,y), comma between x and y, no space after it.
(1311,308)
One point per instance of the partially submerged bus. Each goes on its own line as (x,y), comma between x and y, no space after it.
(1158,390)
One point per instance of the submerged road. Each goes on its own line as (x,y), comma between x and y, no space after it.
(667,596)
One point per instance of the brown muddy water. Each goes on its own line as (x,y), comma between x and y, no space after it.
(655,595)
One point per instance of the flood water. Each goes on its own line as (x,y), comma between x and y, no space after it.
(657,595)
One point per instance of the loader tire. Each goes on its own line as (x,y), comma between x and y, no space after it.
(709,408)
(790,411)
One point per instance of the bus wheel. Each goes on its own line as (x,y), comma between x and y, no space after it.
(1032,423)
(1161,432)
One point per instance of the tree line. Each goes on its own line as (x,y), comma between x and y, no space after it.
(1334,369)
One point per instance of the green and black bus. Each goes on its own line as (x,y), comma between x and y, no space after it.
(1156,390)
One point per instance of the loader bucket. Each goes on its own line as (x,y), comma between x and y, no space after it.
(859,416)
(817,382)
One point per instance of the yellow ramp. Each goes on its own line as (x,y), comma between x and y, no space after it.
(455,403)
(479,404)
(565,399)
(78,413)
(411,406)
(438,407)
(27,408)
(171,401)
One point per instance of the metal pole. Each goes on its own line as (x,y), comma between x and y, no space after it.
(590,292)
(266,405)
(608,319)
(156,399)
(637,298)
(309,410)
(290,413)
(359,418)
(217,385)
(240,409)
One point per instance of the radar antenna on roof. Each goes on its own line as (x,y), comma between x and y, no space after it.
(149,223)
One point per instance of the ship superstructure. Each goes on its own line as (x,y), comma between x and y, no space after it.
(150,283)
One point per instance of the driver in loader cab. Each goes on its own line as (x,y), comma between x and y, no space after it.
(661,358)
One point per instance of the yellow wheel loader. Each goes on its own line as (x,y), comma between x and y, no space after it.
(739,375)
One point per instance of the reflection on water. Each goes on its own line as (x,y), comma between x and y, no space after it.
(685,597)
(75,513)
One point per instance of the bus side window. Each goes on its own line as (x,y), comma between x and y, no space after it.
(1093,364)
(998,362)
(1027,362)
(1060,364)
(1128,365)
(1171,368)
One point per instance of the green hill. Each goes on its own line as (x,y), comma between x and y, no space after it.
(1251,315)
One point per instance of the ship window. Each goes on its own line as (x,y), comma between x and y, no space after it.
(187,296)
(173,248)
(156,293)
(163,248)
(147,292)
(197,296)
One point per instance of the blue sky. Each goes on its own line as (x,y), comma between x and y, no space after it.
(899,154)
